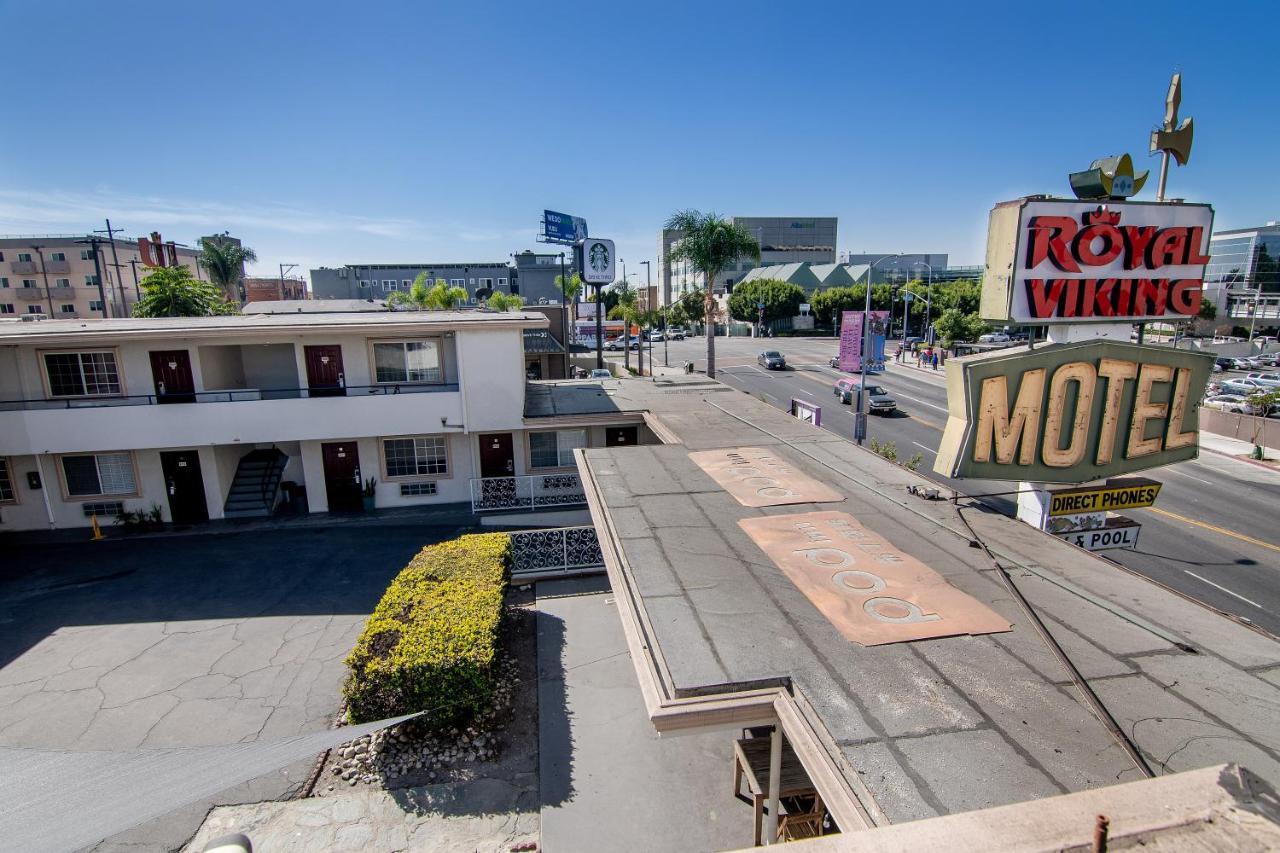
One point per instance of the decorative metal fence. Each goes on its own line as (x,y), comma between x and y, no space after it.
(528,492)
(555,549)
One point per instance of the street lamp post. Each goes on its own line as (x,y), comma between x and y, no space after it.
(928,302)
(860,424)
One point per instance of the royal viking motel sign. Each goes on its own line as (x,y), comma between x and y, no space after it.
(1071,413)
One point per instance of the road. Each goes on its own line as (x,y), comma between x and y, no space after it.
(1213,535)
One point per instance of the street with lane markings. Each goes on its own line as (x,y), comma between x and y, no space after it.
(1213,535)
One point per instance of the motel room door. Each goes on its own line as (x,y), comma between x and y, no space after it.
(325,377)
(497,459)
(184,485)
(171,370)
(342,476)
(624,436)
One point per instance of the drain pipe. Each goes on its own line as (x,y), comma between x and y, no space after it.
(44,492)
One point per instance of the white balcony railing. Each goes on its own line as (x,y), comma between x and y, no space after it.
(535,491)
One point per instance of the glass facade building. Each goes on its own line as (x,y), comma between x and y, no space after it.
(1246,259)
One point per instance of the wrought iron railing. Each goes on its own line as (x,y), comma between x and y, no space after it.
(527,492)
(555,549)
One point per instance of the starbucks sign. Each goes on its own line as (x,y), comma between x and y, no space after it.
(596,260)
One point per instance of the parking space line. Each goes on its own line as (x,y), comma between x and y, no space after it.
(1224,589)
(922,447)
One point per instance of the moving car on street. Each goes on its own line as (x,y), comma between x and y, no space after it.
(879,401)
(600,373)
(676,333)
(656,335)
(993,338)
(771,360)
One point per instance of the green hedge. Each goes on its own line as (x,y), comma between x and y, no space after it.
(430,642)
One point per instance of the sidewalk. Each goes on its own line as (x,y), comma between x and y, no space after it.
(1234,447)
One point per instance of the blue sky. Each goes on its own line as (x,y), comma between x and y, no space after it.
(351,133)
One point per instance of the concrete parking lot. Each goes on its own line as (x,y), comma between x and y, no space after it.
(187,641)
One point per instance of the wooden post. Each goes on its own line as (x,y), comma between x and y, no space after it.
(775,783)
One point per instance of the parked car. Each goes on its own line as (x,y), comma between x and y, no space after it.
(1225,363)
(1230,403)
(879,402)
(911,342)
(1246,386)
(993,338)
(771,360)
(656,335)
(676,333)
(614,345)
(601,373)
(1269,378)
(1269,359)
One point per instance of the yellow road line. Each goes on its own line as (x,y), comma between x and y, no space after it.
(1215,528)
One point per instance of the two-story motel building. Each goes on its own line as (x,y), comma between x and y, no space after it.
(232,417)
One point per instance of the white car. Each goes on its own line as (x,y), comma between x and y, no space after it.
(994,338)
(656,335)
(1247,386)
(1230,403)
(600,373)
(1272,379)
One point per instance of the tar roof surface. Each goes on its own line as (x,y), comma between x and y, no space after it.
(937,726)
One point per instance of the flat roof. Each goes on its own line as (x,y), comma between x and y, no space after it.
(15,331)
(928,727)
(574,397)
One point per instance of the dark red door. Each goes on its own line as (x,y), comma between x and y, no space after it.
(496,456)
(342,476)
(324,371)
(171,370)
(620,436)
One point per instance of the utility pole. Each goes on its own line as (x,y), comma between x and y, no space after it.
(284,268)
(599,326)
(96,243)
(564,314)
(137,291)
(648,282)
(115,262)
(48,294)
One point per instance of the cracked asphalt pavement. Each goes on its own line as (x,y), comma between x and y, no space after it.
(188,641)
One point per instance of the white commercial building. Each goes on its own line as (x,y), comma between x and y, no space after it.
(242,416)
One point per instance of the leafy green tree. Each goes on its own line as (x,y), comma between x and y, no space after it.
(174,292)
(438,297)
(1208,310)
(676,315)
(224,262)
(710,244)
(503,301)
(828,304)
(781,300)
(952,326)
(692,303)
(628,312)
(570,287)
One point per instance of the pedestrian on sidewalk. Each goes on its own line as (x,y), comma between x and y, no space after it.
(935,361)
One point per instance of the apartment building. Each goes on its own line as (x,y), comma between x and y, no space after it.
(378,281)
(55,275)
(268,289)
(243,416)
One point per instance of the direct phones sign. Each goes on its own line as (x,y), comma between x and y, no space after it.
(1130,493)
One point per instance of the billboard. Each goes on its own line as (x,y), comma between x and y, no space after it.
(562,228)
(1072,413)
(587,310)
(851,341)
(1052,261)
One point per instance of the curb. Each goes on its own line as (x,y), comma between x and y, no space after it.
(1258,463)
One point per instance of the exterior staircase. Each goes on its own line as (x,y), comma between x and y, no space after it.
(256,484)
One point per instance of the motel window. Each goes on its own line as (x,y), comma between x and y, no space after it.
(24,257)
(67,309)
(414,457)
(502,282)
(486,282)
(62,282)
(99,474)
(555,449)
(91,281)
(388,285)
(7,494)
(6,308)
(86,255)
(34,309)
(28,282)
(57,256)
(95,305)
(4,282)
(406,283)
(458,282)
(364,282)
(82,374)
(407,361)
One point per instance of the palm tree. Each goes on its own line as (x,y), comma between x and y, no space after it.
(710,244)
(439,297)
(173,292)
(503,301)
(224,262)
(648,319)
(570,287)
(626,311)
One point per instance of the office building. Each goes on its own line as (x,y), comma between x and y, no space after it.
(783,240)
(252,415)
(1242,278)
(889,268)
(55,275)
